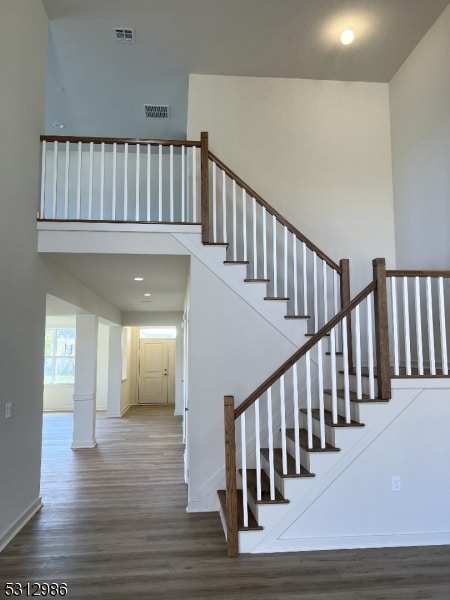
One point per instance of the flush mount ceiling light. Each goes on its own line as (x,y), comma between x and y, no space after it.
(139,279)
(347,37)
(147,295)
(58,125)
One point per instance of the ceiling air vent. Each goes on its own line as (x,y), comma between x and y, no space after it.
(124,34)
(156,111)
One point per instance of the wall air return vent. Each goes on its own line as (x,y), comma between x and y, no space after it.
(156,111)
(124,34)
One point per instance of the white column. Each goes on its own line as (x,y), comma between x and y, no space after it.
(114,372)
(85,382)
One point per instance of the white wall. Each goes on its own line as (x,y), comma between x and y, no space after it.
(23,40)
(359,509)
(420,122)
(232,349)
(318,151)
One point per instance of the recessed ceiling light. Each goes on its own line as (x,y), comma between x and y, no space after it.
(139,279)
(347,37)
(58,125)
(147,295)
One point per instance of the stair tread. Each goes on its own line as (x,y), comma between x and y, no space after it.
(329,418)
(276,298)
(316,446)
(297,317)
(223,244)
(265,488)
(278,464)
(236,262)
(353,397)
(255,280)
(252,522)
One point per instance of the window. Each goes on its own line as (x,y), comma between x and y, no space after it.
(158,333)
(59,356)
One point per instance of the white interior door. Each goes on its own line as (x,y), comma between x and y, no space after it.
(156,371)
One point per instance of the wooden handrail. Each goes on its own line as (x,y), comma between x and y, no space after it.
(109,140)
(274,212)
(304,349)
(401,273)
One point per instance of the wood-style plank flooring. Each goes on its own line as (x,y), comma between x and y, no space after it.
(114,526)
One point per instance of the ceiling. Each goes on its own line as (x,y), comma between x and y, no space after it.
(112,278)
(97,86)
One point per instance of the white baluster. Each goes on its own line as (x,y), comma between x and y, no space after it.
(43,176)
(274,256)
(160,184)
(270,435)
(264,214)
(358,354)
(255,241)
(285,272)
(66,181)
(370,348)
(79,180)
(214,201)
(309,399)
(325,292)
(183,186)
(258,451)
(336,295)
(244,223)
(418,326)
(138,182)
(346,371)
(91,178)
(149,181)
(406,326)
(305,282)
(395,325)
(125,183)
(234,222)
(55,179)
(244,470)
(442,326)
(295,266)
(224,207)
(194,184)
(316,299)
(171,183)
(102,181)
(334,408)
(430,328)
(296,419)
(321,400)
(283,425)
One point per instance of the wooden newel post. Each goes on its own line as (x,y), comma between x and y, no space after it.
(204,202)
(230,468)
(344,263)
(381,330)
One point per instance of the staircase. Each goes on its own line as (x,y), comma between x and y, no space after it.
(311,425)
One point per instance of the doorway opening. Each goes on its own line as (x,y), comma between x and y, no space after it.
(156,365)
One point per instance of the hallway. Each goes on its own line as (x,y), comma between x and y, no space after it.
(114,526)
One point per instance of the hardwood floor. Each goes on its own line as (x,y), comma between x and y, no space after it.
(114,527)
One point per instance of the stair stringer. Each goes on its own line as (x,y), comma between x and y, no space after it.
(233,275)
(378,417)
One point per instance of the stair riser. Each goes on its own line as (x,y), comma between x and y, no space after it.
(354,408)
(329,431)
(365,384)
(289,487)
(304,456)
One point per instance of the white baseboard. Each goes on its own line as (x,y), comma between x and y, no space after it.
(12,531)
(86,444)
(352,542)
